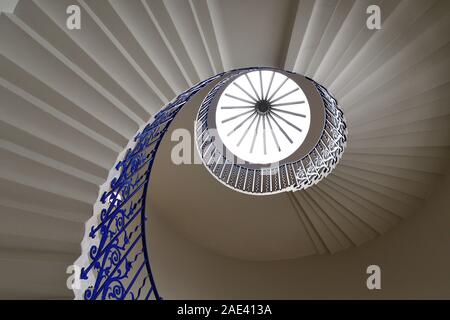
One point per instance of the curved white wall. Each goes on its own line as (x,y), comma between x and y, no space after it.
(414,258)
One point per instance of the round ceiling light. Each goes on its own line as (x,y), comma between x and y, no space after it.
(263,131)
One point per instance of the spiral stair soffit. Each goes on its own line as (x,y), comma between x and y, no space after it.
(133,57)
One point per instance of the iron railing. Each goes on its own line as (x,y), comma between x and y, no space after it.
(115,263)
(115,260)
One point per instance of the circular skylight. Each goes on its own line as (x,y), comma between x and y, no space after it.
(263,116)
(263,131)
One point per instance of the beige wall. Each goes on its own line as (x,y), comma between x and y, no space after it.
(414,258)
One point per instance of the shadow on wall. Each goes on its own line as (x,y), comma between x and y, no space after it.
(414,260)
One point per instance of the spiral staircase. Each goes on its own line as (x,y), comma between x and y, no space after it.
(72,100)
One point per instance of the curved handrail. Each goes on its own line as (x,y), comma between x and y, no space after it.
(114,261)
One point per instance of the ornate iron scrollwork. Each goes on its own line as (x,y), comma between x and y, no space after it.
(114,261)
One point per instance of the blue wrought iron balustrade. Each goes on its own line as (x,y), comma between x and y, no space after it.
(115,262)
(119,265)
